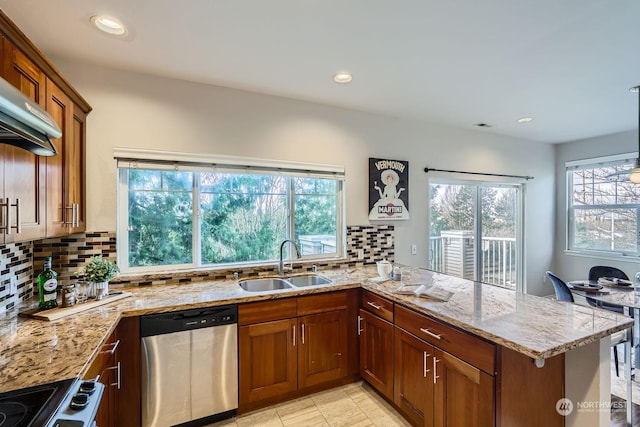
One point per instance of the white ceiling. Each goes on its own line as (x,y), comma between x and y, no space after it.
(567,63)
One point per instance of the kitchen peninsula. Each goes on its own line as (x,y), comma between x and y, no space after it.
(522,328)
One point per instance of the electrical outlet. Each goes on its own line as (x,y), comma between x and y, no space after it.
(13,286)
(389,241)
(360,253)
(414,249)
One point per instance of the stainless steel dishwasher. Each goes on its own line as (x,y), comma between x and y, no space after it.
(189,366)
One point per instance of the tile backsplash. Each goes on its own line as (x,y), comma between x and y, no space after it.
(21,262)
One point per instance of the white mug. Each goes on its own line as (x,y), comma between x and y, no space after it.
(384,268)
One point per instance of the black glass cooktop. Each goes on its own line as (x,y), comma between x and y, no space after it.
(31,406)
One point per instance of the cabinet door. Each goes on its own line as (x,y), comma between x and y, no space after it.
(107,369)
(127,354)
(413,377)
(24,172)
(58,211)
(268,361)
(464,395)
(322,349)
(376,352)
(74,191)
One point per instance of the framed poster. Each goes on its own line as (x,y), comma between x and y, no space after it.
(388,189)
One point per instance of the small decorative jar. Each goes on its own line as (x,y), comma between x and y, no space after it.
(68,295)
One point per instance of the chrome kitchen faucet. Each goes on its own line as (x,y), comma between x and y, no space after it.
(281,264)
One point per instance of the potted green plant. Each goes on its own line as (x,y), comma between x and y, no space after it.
(98,272)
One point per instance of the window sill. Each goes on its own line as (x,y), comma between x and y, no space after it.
(603,255)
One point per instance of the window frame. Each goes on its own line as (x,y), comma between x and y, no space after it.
(477,227)
(161,160)
(570,209)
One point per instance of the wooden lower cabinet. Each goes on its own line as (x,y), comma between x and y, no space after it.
(322,350)
(268,359)
(376,352)
(413,378)
(105,367)
(463,394)
(295,346)
(117,366)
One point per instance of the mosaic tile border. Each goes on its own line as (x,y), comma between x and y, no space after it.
(70,253)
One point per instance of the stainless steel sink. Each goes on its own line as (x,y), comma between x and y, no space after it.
(259,285)
(308,280)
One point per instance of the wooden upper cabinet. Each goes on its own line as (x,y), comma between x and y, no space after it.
(41,196)
(59,213)
(75,172)
(23,172)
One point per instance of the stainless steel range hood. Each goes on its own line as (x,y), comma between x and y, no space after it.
(24,123)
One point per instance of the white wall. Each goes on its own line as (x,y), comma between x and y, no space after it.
(572,267)
(134,110)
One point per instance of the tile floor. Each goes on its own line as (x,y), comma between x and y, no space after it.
(359,406)
(352,405)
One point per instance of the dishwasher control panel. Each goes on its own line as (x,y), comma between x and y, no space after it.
(184,320)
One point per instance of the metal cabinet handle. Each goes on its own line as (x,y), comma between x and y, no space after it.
(302,334)
(112,350)
(118,375)
(66,217)
(76,215)
(360,325)
(425,355)
(5,204)
(431,334)
(377,307)
(18,226)
(435,372)
(294,335)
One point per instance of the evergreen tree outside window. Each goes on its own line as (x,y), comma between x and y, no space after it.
(185,215)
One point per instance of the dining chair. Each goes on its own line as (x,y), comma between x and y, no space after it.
(596,272)
(563,293)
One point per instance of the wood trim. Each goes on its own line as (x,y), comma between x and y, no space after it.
(22,42)
(320,303)
(266,311)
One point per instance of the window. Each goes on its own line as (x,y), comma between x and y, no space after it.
(603,206)
(475,231)
(188,215)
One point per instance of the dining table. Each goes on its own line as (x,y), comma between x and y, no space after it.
(621,294)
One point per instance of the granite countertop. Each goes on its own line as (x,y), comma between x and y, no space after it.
(36,351)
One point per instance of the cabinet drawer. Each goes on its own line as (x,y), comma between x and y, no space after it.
(375,304)
(103,358)
(322,302)
(467,347)
(266,311)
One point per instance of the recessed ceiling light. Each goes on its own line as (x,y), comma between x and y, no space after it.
(108,25)
(342,77)
(525,120)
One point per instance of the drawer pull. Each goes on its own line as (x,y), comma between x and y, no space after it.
(117,368)
(377,307)
(435,372)
(360,325)
(293,328)
(112,350)
(431,334)
(302,334)
(425,355)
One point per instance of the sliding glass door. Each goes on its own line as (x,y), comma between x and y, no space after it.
(475,231)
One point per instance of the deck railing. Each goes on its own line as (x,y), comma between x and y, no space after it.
(498,259)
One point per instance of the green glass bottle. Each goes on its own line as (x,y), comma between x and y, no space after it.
(47,286)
